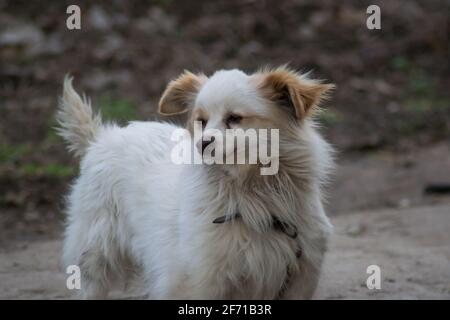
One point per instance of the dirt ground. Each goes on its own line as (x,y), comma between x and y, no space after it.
(411,247)
(389,119)
(409,239)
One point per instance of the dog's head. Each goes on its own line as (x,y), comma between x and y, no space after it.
(230,99)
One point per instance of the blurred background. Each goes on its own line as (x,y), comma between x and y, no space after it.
(389,117)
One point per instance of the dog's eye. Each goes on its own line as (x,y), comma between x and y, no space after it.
(203,121)
(233,119)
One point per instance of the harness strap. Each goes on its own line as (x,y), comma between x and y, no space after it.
(288,229)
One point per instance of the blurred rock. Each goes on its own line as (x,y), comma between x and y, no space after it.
(99,19)
(404,203)
(110,45)
(31,215)
(352,17)
(31,39)
(319,19)
(156,21)
(99,80)
(22,35)
(393,107)
(355,229)
(383,87)
(51,45)
(251,48)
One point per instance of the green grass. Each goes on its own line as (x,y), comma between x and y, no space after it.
(400,63)
(117,109)
(421,94)
(418,105)
(420,87)
(51,134)
(421,110)
(11,153)
(421,83)
(329,117)
(49,170)
(17,158)
(20,157)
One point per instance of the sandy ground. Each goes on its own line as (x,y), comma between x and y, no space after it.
(390,108)
(411,246)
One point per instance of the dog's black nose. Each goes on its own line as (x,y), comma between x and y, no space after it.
(206,143)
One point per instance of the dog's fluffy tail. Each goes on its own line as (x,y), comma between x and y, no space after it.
(78,125)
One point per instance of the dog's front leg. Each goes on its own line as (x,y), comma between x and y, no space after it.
(201,285)
(213,288)
(303,283)
(184,286)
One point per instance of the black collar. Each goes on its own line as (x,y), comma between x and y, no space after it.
(289,229)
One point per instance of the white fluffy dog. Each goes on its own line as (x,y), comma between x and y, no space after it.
(201,231)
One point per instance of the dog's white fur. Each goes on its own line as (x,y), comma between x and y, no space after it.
(133,210)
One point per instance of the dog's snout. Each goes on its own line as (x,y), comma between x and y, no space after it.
(207,143)
(204,143)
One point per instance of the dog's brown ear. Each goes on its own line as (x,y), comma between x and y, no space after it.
(180,93)
(290,89)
